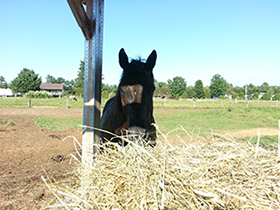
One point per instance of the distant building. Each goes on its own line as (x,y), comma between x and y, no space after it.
(52,88)
(252,95)
(6,92)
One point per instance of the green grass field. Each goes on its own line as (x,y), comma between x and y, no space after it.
(22,102)
(220,120)
(223,115)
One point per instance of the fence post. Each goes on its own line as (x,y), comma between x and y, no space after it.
(29,102)
(236,100)
(15,97)
(193,103)
(165,102)
(276,103)
(247,103)
(67,105)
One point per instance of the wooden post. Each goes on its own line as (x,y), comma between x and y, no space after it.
(276,105)
(29,102)
(67,105)
(91,24)
(193,103)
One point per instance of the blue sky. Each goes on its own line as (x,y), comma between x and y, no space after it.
(194,39)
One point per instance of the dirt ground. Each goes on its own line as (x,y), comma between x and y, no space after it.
(28,152)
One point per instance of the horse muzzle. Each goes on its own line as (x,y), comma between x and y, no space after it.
(142,136)
(136,132)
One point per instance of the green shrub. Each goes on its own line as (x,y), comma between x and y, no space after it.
(241,95)
(79,91)
(44,94)
(277,97)
(256,95)
(234,95)
(37,94)
(30,94)
(105,94)
(266,97)
(112,94)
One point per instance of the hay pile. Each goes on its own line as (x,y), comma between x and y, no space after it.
(218,174)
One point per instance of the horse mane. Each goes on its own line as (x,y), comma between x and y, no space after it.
(138,59)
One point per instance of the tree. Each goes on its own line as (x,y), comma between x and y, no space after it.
(271,91)
(68,86)
(25,81)
(3,83)
(61,80)
(263,88)
(109,88)
(218,86)
(162,90)
(230,91)
(79,81)
(207,92)
(177,86)
(238,89)
(251,89)
(190,91)
(198,89)
(162,84)
(184,95)
(50,79)
(156,83)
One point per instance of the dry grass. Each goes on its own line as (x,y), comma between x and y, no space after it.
(215,174)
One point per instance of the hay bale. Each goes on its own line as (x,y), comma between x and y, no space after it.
(217,174)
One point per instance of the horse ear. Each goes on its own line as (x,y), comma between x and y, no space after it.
(123,59)
(151,61)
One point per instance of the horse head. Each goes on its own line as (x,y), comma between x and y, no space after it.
(131,110)
(135,93)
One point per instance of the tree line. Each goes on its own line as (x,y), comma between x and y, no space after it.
(27,80)
(219,88)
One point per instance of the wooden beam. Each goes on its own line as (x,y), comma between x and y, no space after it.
(81,17)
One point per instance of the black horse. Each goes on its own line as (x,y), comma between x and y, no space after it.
(130,112)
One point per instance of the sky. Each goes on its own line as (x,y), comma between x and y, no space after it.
(194,39)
